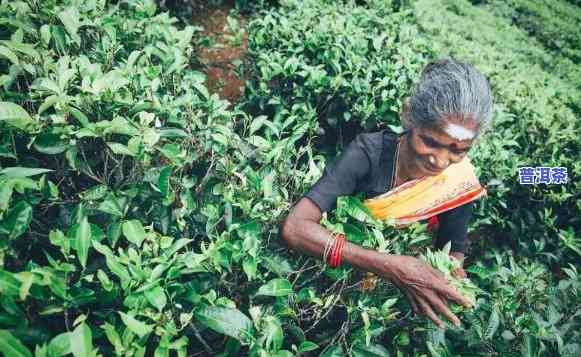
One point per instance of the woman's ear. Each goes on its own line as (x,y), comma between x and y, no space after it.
(405,114)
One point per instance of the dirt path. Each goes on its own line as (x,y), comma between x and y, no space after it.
(228,43)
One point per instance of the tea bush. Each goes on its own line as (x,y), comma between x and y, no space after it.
(554,23)
(351,64)
(535,124)
(139,213)
(109,142)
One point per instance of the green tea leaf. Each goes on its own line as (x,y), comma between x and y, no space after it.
(113,233)
(112,262)
(83,241)
(508,335)
(50,144)
(10,346)
(113,337)
(230,322)
(113,81)
(18,219)
(6,189)
(156,297)
(163,182)
(15,115)
(493,324)
(70,19)
(111,205)
(119,125)
(356,209)
(7,53)
(81,341)
(307,346)
(250,267)
(272,330)
(94,193)
(530,346)
(137,327)
(45,34)
(80,116)
(134,231)
(60,345)
(9,284)
(177,245)
(106,283)
(120,149)
(276,287)
(26,279)
(372,350)
(49,102)
(13,172)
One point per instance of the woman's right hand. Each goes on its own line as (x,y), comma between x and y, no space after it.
(427,290)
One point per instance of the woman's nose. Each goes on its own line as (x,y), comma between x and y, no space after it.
(441,161)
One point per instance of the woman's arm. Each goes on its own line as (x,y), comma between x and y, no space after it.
(426,289)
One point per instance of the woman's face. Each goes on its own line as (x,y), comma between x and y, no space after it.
(434,149)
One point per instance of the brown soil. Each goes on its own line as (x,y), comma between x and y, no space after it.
(219,59)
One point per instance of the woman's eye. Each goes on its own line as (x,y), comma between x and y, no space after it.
(429,142)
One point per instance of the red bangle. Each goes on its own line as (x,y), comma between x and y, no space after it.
(333,249)
(336,252)
(337,260)
(340,252)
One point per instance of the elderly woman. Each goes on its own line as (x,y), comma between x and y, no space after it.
(420,174)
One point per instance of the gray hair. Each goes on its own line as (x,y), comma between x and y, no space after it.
(448,87)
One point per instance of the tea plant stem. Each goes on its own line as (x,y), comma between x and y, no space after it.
(13,144)
(302,270)
(314,277)
(89,172)
(106,167)
(200,338)
(206,175)
(352,286)
(330,307)
(109,173)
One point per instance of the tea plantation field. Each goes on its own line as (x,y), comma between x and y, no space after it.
(140,210)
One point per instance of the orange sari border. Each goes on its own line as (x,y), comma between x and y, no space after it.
(428,196)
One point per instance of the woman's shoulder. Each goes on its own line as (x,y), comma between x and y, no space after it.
(376,141)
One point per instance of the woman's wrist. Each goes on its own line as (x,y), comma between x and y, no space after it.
(367,260)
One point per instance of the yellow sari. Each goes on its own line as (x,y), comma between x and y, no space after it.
(428,196)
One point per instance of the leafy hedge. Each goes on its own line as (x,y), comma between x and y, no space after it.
(140,213)
(348,63)
(535,124)
(554,23)
(109,142)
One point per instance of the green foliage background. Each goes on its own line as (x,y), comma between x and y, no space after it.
(139,213)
